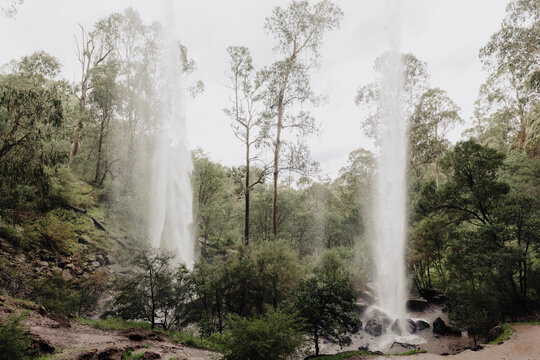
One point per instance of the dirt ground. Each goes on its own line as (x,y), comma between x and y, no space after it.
(523,345)
(71,340)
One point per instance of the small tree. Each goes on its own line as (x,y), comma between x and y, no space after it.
(153,291)
(273,336)
(325,303)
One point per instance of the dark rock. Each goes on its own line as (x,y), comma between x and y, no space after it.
(112,353)
(494,333)
(149,355)
(439,327)
(363,348)
(374,328)
(433,296)
(83,240)
(107,260)
(421,325)
(91,355)
(41,345)
(62,321)
(410,325)
(417,305)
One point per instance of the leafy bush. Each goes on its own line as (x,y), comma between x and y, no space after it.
(55,232)
(273,336)
(14,339)
(56,294)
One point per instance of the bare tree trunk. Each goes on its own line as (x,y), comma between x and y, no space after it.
(276,170)
(248,190)
(100,149)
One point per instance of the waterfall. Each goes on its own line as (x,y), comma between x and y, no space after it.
(389,208)
(171,213)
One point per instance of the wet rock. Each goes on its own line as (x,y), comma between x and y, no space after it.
(41,345)
(421,325)
(410,325)
(396,327)
(417,305)
(83,240)
(378,323)
(149,355)
(439,327)
(374,328)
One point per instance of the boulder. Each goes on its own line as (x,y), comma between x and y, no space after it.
(41,345)
(494,333)
(66,275)
(396,327)
(149,355)
(377,322)
(439,327)
(112,353)
(421,325)
(374,328)
(417,305)
(410,325)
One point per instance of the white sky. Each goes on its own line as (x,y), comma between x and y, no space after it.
(445,34)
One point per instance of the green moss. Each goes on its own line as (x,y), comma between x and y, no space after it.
(507,332)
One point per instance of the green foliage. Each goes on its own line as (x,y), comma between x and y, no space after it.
(56,233)
(56,294)
(129,355)
(113,323)
(154,291)
(14,339)
(273,336)
(326,304)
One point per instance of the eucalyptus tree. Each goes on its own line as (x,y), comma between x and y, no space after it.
(299,30)
(103,105)
(434,116)
(246,86)
(415,79)
(92,49)
(509,98)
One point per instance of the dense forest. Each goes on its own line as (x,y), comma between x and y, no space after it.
(284,254)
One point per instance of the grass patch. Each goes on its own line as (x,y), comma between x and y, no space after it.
(507,332)
(349,354)
(114,324)
(213,343)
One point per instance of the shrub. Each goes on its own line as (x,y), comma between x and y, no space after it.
(273,336)
(14,339)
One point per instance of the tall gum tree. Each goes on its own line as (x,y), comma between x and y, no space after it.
(246,86)
(299,31)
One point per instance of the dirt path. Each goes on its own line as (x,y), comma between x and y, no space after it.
(523,345)
(70,340)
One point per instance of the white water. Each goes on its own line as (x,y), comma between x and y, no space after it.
(389,208)
(171,213)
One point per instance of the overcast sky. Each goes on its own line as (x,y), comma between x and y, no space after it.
(445,34)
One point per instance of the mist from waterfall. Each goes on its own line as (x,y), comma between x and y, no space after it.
(389,207)
(171,197)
